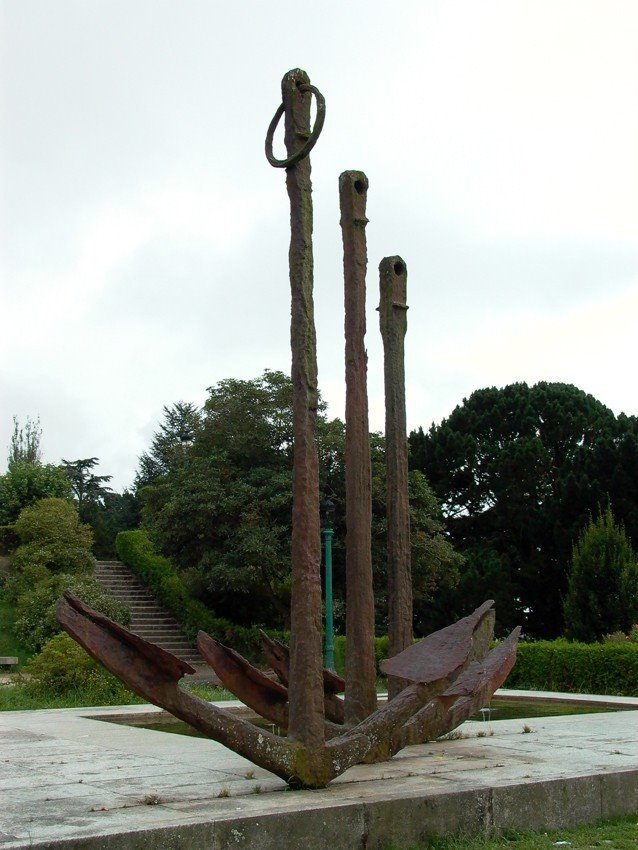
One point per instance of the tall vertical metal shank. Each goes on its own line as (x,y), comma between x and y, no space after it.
(306,703)
(360,694)
(393,309)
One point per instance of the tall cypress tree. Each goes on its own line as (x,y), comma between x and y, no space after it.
(602,594)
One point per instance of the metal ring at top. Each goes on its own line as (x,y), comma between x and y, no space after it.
(312,138)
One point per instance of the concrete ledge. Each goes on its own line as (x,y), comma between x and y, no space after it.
(70,782)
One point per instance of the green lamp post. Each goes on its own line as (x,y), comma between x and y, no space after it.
(328,511)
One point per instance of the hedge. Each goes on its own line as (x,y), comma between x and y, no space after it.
(587,668)
(380,652)
(135,549)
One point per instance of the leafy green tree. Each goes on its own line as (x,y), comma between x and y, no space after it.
(98,506)
(224,516)
(223,512)
(25,483)
(518,471)
(435,564)
(25,442)
(602,592)
(115,512)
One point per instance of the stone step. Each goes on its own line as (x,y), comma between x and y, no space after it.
(122,583)
(154,634)
(148,619)
(154,619)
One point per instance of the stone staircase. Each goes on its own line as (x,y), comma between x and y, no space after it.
(148,619)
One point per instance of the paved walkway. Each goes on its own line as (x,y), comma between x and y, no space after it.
(68,780)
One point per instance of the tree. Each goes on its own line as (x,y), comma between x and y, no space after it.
(106,512)
(169,450)
(86,486)
(25,442)
(602,592)
(518,471)
(224,517)
(119,512)
(223,512)
(25,483)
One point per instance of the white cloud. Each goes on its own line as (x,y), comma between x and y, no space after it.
(591,345)
(146,248)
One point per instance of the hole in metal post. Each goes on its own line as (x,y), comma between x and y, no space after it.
(399,268)
(359,187)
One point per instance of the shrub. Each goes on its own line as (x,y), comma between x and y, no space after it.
(560,665)
(380,652)
(8,539)
(622,637)
(35,611)
(63,666)
(18,582)
(51,534)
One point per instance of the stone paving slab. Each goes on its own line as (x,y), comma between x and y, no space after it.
(71,781)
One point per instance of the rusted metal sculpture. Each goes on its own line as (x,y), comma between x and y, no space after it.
(393,308)
(448,676)
(361,694)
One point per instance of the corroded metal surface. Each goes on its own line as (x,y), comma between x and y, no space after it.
(393,321)
(418,713)
(361,694)
(469,692)
(309,143)
(451,672)
(278,658)
(153,674)
(251,686)
(439,655)
(306,706)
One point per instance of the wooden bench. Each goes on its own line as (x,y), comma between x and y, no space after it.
(8,661)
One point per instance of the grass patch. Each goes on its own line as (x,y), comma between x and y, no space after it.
(618,834)
(19,697)
(210,693)
(9,644)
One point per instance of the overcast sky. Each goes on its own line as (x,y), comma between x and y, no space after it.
(145,237)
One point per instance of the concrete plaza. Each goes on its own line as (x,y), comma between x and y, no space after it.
(70,780)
